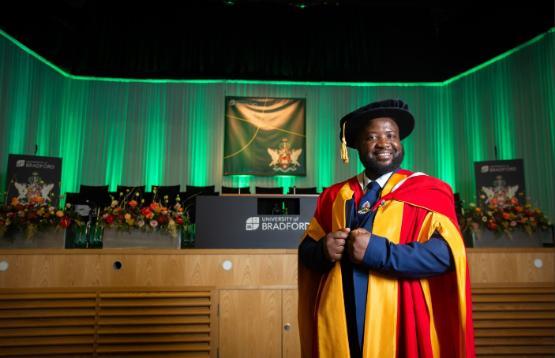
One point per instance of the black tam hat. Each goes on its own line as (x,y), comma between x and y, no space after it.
(351,123)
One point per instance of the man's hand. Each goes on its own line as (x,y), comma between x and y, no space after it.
(335,244)
(357,244)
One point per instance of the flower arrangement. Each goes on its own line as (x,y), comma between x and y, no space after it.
(34,215)
(504,216)
(131,212)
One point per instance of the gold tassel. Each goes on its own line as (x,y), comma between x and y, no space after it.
(344,153)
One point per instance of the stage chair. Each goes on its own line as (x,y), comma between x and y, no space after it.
(73,198)
(171,191)
(148,196)
(266,190)
(189,198)
(233,190)
(96,196)
(129,192)
(295,190)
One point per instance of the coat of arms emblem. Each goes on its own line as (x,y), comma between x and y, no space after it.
(35,189)
(284,158)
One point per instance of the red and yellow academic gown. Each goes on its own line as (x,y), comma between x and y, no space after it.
(429,317)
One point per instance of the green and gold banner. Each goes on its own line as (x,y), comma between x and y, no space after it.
(264,136)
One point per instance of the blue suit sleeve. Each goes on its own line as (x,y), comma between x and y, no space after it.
(412,261)
(311,255)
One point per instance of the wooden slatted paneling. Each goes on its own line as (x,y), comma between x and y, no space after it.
(33,324)
(140,323)
(514,321)
(156,322)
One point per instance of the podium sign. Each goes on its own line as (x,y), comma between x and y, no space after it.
(253,222)
(498,181)
(31,176)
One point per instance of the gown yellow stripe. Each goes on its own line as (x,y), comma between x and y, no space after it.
(339,220)
(426,231)
(333,340)
(314,230)
(451,235)
(380,332)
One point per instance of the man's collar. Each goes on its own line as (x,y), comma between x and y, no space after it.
(363,180)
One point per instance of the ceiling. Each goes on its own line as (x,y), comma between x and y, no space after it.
(300,40)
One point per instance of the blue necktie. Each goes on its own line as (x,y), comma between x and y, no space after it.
(367,201)
(360,276)
(372,193)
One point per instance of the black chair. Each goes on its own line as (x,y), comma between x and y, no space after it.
(165,194)
(458,206)
(128,192)
(73,199)
(189,198)
(147,197)
(233,190)
(208,189)
(295,190)
(96,196)
(266,190)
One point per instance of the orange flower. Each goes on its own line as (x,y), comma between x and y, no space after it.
(15,201)
(60,214)
(37,200)
(155,207)
(132,203)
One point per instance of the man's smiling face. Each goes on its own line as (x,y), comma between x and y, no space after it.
(379,147)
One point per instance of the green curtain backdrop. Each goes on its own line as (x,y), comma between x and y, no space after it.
(134,132)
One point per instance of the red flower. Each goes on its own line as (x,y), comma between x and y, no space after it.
(147,213)
(132,203)
(31,215)
(109,218)
(65,222)
(492,226)
(179,220)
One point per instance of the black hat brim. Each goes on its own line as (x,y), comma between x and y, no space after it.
(355,120)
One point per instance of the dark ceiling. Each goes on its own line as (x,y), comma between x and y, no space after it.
(310,40)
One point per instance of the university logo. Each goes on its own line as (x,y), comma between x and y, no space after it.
(284,158)
(252,223)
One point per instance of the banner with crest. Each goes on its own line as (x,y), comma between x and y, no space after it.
(500,182)
(264,136)
(33,178)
